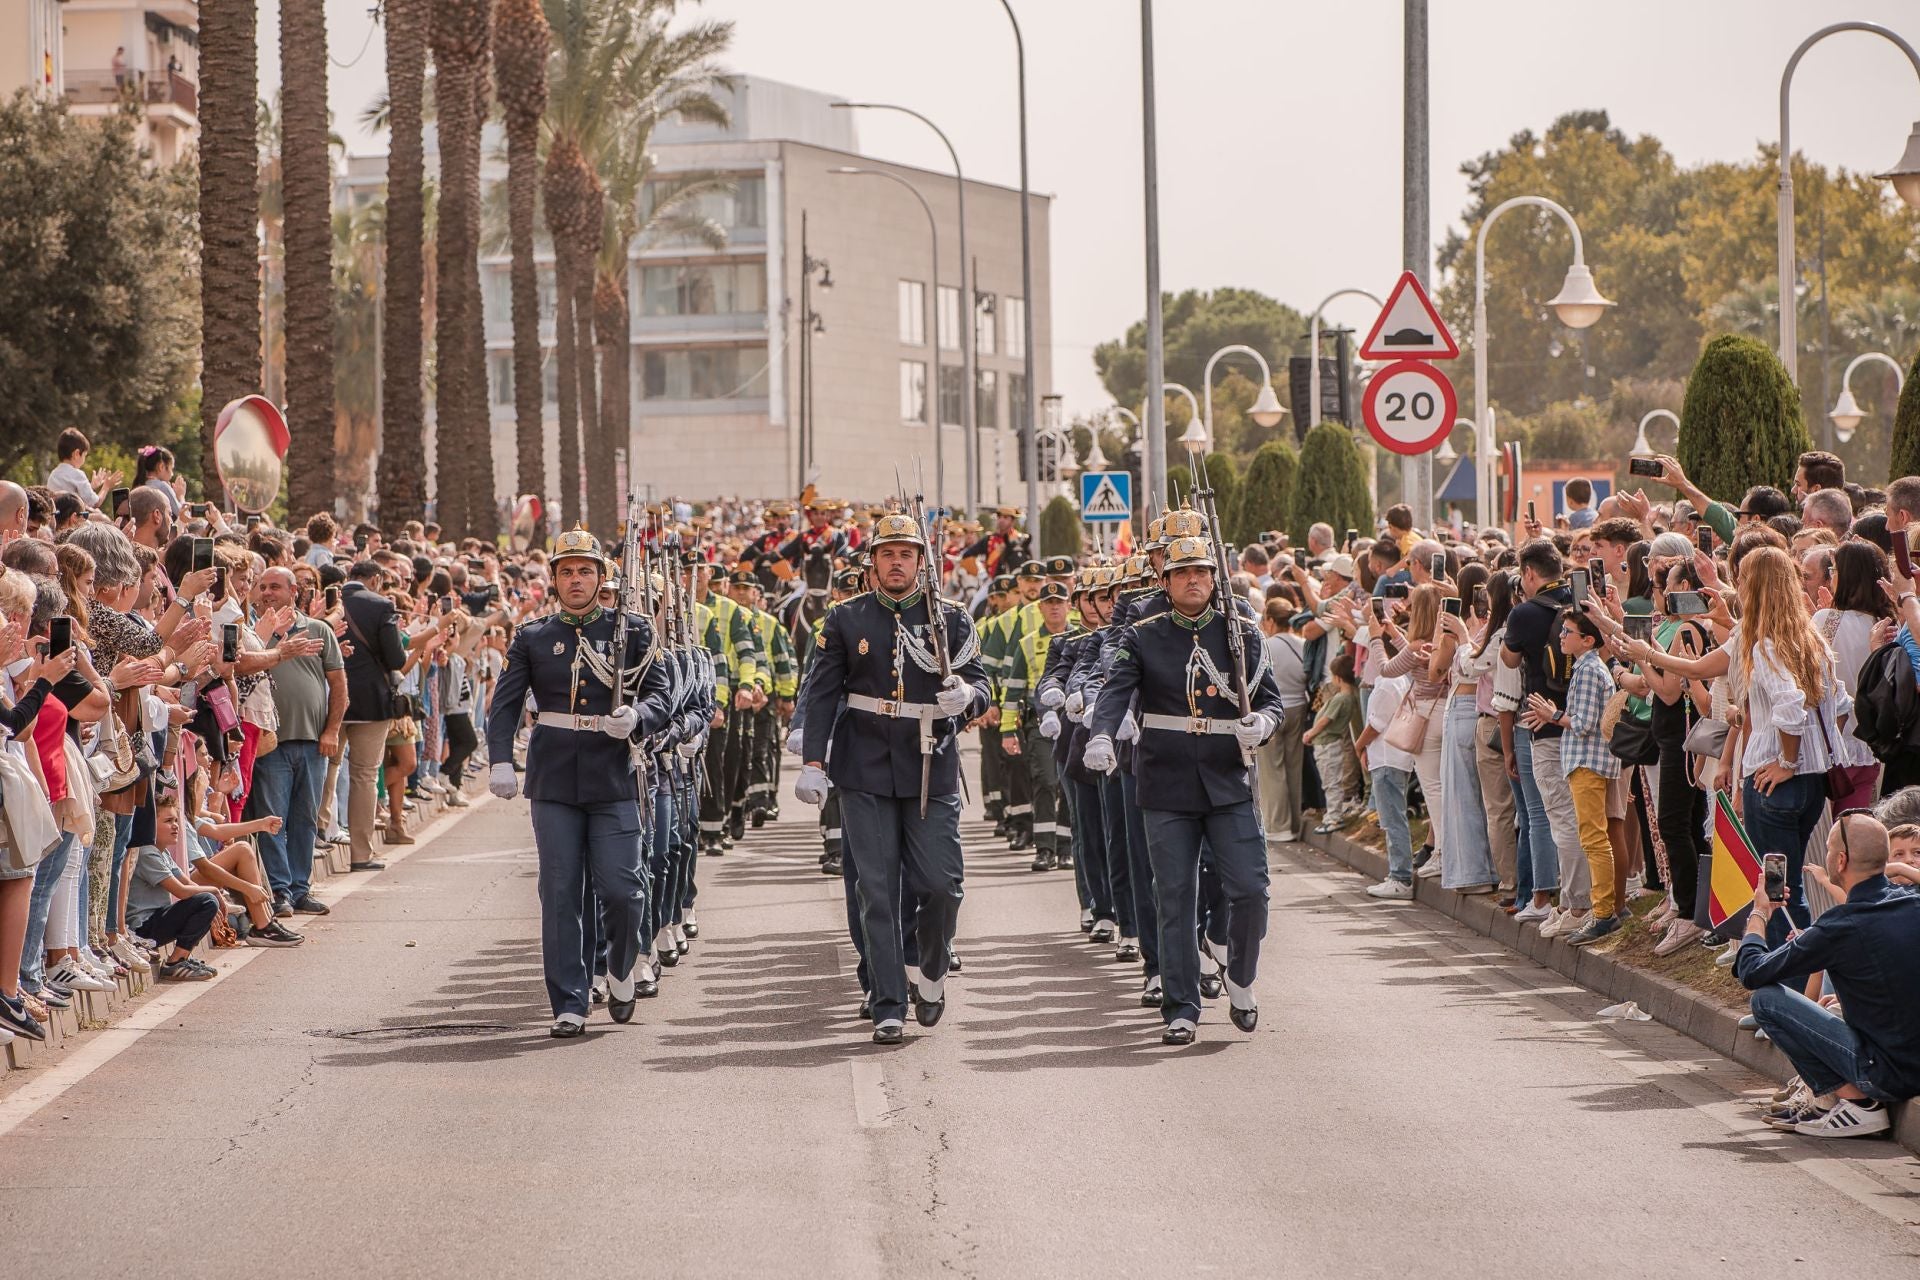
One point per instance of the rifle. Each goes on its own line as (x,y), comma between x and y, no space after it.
(1223,597)
(936,623)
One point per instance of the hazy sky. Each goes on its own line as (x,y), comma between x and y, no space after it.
(1280,120)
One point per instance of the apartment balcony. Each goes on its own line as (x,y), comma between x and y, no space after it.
(162,89)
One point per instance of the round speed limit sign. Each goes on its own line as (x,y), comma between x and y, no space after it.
(1409,406)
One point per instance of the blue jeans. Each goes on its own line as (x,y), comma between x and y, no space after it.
(1390,802)
(46,874)
(1469,855)
(1783,822)
(1536,832)
(1822,1047)
(122,830)
(1237,849)
(1523,848)
(587,852)
(287,783)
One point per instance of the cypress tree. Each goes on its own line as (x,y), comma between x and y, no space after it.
(1741,422)
(1333,483)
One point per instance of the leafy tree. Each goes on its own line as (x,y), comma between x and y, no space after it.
(1223,473)
(1333,482)
(98,268)
(1741,423)
(1267,494)
(1060,528)
(1906,427)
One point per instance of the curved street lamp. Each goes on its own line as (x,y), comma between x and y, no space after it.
(1846,412)
(1642,447)
(1196,437)
(1578,305)
(1313,349)
(1266,411)
(1905,177)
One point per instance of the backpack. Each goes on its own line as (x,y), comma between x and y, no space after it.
(1556,668)
(1886,702)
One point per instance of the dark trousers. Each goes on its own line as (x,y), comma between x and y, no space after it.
(1824,1050)
(992,772)
(1091,858)
(686,853)
(760,759)
(830,830)
(1019,792)
(1052,824)
(660,863)
(1681,816)
(461,743)
(713,805)
(182,922)
(909,928)
(1113,852)
(894,851)
(1783,822)
(739,751)
(1238,852)
(1125,815)
(586,852)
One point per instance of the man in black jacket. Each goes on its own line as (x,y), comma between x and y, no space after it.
(376,654)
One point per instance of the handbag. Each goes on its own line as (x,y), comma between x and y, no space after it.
(1408,730)
(114,765)
(1843,780)
(28,831)
(1708,738)
(1629,739)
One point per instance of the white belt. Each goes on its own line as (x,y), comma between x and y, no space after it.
(921,711)
(561,720)
(1186,724)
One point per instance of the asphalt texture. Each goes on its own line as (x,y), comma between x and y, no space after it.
(1416,1101)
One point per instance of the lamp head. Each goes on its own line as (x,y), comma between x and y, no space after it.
(1445,452)
(1905,174)
(1579,304)
(1267,412)
(1846,415)
(1194,438)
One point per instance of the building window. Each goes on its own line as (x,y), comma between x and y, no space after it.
(986,401)
(743,206)
(704,373)
(1017,401)
(500,376)
(549,378)
(953,389)
(983,309)
(913,313)
(949,318)
(704,289)
(913,391)
(1016,326)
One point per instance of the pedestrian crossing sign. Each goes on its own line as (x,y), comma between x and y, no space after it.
(1106,496)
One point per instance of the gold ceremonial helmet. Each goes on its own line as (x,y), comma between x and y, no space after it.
(1188,551)
(895,528)
(1182,522)
(578,544)
(1137,568)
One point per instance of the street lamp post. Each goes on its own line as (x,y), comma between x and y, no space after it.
(1643,447)
(1578,304)
(1266,411)
(968,430)
(1313,350)
(1905,176)
(933,327)
(1196,438)
(1026,273)
(1846,412)
(1153,464)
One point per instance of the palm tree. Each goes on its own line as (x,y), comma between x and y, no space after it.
(358,237)
(460,37)
(521,43)
(403,453)
(306,164)
(229,217)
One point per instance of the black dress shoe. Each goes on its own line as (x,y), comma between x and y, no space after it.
(1211,986)
(1063,861)
(889,1034)
(646,988)
(371,864)
(759,819)
(1245,1019)
(953,961)
(670,957)
(1053,861)
(830,865)
(683,945)
(567,1029)
(1020,840)
(1150,999)
(1039,862)
(1127,951)
(927,1012)
(597,996)
(866,1010)
(692,928)
(1177,1035)
(622,1010)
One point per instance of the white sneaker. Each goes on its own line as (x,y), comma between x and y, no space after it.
(1566,924)
(69,974)
(1680,933)
(1430,869)
(1725,959)
(1847,1119)
(1529,914)
(1391,889)
(129,955)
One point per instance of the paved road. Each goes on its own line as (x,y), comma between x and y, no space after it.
(1416,1102)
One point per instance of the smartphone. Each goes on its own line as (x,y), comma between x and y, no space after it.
(220,582)
(1645,467)
(1532,518)
(1681,604)
(230,643)
(446,605)
(1579,579)
(1353,536)
(332,596)
(1451,605)
(1380,608)
(1437,566)
(1703,536)
(117,499)
(1639,626)
(1902,557)
(1774,867)
(202,554)
(253,522)
(59,634)
(1394,591)
(1480,602)
(1597,572)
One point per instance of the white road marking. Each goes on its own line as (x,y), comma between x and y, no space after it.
(870,1093)
(102,1047)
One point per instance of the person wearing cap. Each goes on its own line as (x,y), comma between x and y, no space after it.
(780,679)
(1020,734)
(877,697)
(749,723)
(736,660)
(1195,784)
(821,534)
(1005,547)
(998,639)
(763,553)
(595,705)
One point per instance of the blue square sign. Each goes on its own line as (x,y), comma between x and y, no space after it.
(1106,496)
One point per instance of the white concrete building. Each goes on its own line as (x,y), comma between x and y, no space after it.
(102,55)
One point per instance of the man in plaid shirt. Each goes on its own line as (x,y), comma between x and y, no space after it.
(1588,762)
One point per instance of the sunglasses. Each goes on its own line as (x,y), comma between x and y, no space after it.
(1840,821)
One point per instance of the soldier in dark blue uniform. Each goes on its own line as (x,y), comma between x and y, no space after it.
(876,697)
(1175,671)
(581,777)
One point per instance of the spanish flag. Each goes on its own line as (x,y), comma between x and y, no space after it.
(1123,540)
(1735,867)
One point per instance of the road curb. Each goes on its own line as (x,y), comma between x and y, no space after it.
(1667,1002)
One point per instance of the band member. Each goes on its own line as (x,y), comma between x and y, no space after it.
(1003,549)
(596,705)
(876,696)
(1177,670)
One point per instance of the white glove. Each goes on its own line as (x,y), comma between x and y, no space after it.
(794,741)
(688,750)
(1253,729)
(1086,715)
(502,783)
(1050,725)
(811,786)
(1051,697)
(1099,754)
(953,696)
(619,724)
(1075,702)
(1129,730)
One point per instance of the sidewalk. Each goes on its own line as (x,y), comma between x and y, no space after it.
(1666,1001)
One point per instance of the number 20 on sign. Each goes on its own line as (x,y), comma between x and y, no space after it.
(1409,406)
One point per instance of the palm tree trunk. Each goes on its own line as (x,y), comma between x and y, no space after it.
(307,180)
(569,397)
(597,458)
(403,452)
(615,332)
(483,507)
(459,37)
(522,42)
(229,217)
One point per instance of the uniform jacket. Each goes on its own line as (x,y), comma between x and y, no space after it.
(875,753)
(568,765)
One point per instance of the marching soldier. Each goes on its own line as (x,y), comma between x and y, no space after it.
(997,644)
(877,696)
(746,723)
(1194,781)
(739,674)
(595,705)
(783,680)
(1020,735)
(993,757)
